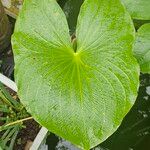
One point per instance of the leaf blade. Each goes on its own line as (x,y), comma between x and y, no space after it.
(66,91)
(138,9)
(47,23)
(142,47)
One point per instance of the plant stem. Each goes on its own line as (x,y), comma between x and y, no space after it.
(18,121)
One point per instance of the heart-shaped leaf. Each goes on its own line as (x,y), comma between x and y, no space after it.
(142,48)
(81,89)
(138,9)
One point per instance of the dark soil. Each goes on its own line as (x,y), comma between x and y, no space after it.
(27,134)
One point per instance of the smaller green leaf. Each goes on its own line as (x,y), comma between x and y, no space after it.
(142,48)
(138,9)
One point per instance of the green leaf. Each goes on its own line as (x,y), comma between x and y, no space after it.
(79,90)
(142,48)
(138,9)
